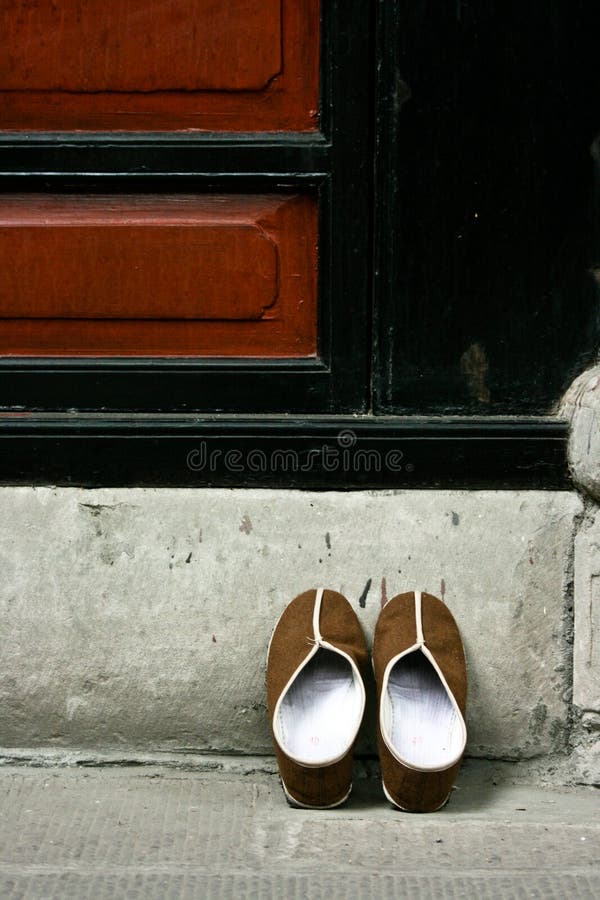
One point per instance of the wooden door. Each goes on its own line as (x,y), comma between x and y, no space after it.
(146,260)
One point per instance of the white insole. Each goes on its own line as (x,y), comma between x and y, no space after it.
(321,711)
(422,721)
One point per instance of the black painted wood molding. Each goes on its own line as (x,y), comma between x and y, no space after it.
(316,452)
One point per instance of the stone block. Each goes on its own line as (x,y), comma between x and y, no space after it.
(581,407)
(139,618)
(586,656)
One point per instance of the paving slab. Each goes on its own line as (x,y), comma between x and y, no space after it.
(157,833)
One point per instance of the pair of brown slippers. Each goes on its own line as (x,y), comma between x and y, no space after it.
(316,698)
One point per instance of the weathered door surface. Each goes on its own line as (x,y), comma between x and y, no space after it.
(159,273)
(489,301)
(227,275)
(155,65)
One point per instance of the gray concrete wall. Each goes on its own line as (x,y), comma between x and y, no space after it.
(581,408)
(139,619)
(586,657)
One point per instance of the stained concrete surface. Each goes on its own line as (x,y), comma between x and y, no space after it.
(154,833)
(586,654)
(139,619)
(586,661)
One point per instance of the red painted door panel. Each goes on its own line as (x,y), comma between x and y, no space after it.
(226,275)
(240,65)
(136,45)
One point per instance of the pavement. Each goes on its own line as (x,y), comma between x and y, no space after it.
(142,831)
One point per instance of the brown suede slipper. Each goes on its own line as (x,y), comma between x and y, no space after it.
(316,697)
(420,670)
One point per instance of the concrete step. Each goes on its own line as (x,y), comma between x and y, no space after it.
(151,832)
(138,620)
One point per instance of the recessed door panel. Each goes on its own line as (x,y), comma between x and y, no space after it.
(220,275)
(135,45)
(244,65)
